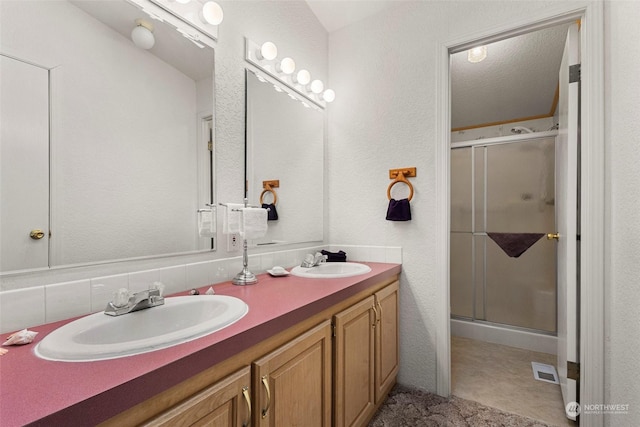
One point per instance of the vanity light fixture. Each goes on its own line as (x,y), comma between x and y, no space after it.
(286,66)
(316,86)
(268,51)
(284,71)
(303,77)
(477,54)
(329,95)
(197,20)
(212,13)
(142,34)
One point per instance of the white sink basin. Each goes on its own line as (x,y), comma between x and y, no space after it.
(331,270)
(180,319)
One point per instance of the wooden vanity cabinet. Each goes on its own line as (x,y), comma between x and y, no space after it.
(226,403)
(292,384)
(365,356)
(332,369)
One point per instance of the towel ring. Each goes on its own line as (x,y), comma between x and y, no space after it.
(268,189)
(400,178)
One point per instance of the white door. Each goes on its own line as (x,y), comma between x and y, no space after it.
(566,215)
(24,165)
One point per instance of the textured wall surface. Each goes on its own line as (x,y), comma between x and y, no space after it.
(384,72)
(622,291)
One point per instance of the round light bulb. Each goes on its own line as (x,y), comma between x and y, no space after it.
(287,66)
(329,95)
(477,54)
(142,35)
(212,13)
(303,77)
(268,51)
(316,86)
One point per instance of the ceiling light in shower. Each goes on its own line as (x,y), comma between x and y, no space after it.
(477,54)
(212,13)
(142,34)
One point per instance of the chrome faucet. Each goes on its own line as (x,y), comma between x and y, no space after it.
(138,301)
(311,260)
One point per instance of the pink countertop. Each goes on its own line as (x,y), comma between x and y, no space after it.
(41,392)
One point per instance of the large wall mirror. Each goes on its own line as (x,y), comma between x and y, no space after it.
(285,143)
(104,145)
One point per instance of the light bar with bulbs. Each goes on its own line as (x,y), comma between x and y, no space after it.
(285,71)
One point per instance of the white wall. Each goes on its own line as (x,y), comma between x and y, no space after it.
(622,135)
(384,72)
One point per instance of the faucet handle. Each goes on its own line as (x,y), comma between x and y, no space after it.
(121,298)
(159,286)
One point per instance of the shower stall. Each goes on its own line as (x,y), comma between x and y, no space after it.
(503,268)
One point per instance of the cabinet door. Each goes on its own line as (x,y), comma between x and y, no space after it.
(387,356)
(223,404)
(293,383)
(354,364)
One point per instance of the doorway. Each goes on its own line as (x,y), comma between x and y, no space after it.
(592,199)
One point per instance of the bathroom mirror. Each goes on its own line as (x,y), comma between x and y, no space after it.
(285,143)
(126,140)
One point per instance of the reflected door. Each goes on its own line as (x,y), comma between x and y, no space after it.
(24,165)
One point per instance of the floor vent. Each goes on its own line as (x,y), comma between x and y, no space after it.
(546,373)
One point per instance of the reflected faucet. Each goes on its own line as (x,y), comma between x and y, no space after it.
(138,301)
(311,260)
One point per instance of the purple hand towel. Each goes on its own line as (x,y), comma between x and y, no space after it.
(515,244)
(399,210)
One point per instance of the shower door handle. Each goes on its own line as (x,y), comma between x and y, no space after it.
(552,236)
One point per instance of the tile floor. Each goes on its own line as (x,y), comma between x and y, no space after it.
(501,377)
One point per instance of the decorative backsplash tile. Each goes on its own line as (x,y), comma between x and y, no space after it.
(37,305)
(22,308)
(66,300)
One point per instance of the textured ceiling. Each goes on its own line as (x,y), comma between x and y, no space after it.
(518,79)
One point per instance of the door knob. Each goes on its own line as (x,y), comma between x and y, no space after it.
(36,234)
(552,236)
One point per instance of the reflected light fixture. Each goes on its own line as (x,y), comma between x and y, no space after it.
(265,58)
(286,66)
(142,34)
(329,95)
(303,77)
(212,13)
(477,54)
(183,1)
(316,86)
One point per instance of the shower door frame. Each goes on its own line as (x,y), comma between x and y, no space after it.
(488,142)
(592,200)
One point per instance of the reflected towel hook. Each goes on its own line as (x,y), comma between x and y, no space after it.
(401,175)
(269,188)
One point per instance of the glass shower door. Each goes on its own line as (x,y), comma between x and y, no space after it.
(503,191)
